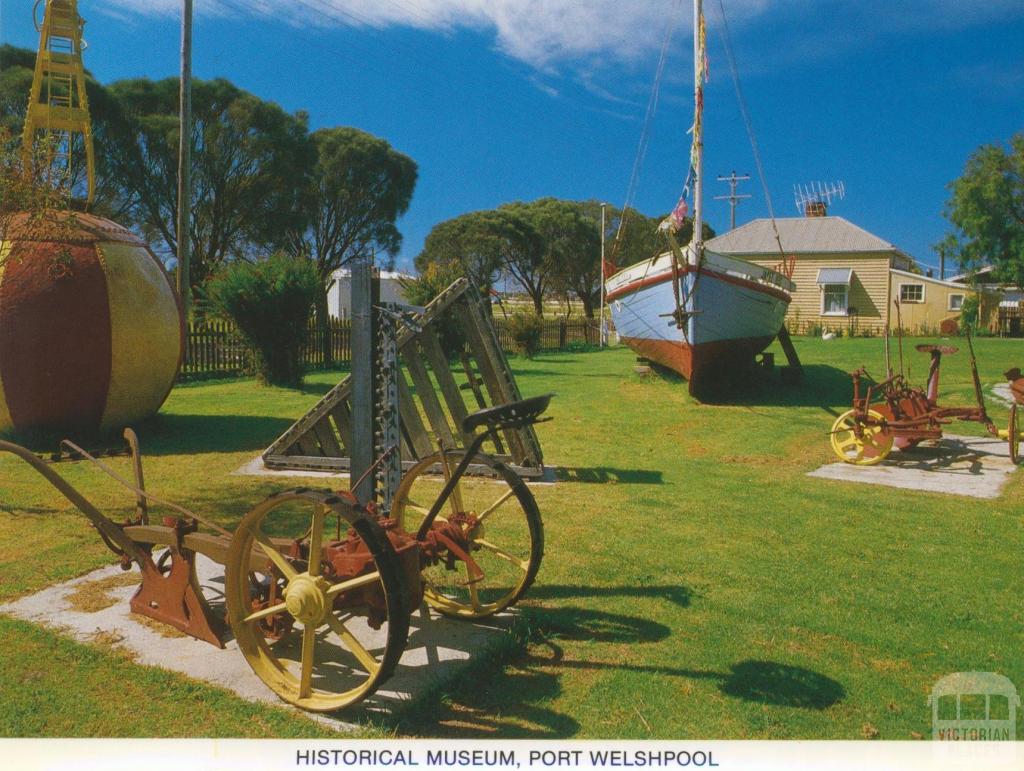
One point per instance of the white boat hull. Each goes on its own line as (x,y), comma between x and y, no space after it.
(733,310)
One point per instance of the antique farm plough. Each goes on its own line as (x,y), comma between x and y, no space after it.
(318,587)
(893,413)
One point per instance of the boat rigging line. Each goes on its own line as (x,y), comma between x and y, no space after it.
(734,72)
(645,131)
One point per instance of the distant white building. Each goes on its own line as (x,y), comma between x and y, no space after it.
(339,295)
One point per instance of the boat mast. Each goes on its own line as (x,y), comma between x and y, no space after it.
(695,172)
(697,150)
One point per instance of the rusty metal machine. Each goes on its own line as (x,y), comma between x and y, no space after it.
(318,586)
(893,413)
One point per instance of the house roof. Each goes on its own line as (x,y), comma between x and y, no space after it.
(918,278)
(384,274)
(800,235)
(982,271)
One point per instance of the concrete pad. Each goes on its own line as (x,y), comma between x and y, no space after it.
(256,468)
(438,647)
(976,467)
(1002,393)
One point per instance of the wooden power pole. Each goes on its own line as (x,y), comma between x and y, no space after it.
(184,227)
(733,198)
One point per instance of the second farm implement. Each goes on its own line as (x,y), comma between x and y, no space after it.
(894,413)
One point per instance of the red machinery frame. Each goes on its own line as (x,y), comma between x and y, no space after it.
(892,412)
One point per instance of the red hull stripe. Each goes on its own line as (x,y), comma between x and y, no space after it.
(636,286)
(705,361)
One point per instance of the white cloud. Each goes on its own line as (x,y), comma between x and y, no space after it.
(546,33)
(539,32)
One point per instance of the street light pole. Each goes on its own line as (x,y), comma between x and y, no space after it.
(601,328)
(184,225)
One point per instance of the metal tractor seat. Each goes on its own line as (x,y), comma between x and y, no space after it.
(511,415)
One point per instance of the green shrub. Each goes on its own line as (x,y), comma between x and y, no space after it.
(581,346)
(969,313)
(270,301)
(526,330)
(433,280)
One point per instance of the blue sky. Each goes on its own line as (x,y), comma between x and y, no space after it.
(499,100)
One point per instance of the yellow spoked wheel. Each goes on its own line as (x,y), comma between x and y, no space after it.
(1013,435)
(871,447)
(345,636)
(497,519)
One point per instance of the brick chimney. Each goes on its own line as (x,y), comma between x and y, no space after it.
(815,209)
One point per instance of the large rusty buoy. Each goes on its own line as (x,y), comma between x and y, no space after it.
(90,327)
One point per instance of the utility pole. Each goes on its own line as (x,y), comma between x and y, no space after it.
(601,327)
(184,227)
(365,289)
(733,198)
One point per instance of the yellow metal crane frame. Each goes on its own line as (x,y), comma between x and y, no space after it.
(58,106)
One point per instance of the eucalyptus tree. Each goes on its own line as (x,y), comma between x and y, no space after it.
(986,209)
(359,187)
(252,163)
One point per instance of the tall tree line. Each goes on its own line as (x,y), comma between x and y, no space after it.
(548,247)
(262,182)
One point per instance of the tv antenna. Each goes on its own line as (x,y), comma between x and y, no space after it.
(814,199)
(733,198)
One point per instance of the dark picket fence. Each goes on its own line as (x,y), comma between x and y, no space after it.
(1011,322)
(558,334)
(215,349)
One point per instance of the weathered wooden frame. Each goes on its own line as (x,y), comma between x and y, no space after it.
(430,417)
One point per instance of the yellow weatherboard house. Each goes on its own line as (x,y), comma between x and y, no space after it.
(847,279)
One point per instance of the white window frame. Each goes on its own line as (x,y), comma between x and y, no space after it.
(949,301)
(912,302)
(846,300)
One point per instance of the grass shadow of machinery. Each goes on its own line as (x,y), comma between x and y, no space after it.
(607,474)
(178,434)
(769,682)
(586,624)
(518,685)
(676,594)
(170,434)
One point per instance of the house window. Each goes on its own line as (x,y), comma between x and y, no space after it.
(834,299)
(956,302)
(911,293)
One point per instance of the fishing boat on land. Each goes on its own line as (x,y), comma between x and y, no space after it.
(702,314)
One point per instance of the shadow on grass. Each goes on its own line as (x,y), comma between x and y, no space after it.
(170,434)
(320,389)
(678,595)
(529,373)
(504,702)
(606,474)
(768,682)
(822,385)
(174,434)
(762,682)
(585,624)
(508,696)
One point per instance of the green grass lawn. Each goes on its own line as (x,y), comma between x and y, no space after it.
(696,583)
